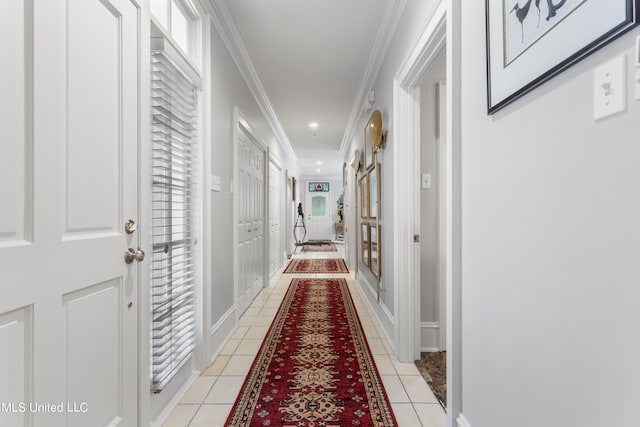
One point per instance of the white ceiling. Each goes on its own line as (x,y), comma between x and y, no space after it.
(310,56)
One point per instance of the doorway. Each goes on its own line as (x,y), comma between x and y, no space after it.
(432,206)
(318,211)
(439,34)
(250,248)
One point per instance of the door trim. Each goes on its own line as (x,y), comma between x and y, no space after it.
(144,208)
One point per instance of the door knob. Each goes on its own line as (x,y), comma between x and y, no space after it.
(131,255)
(130,226)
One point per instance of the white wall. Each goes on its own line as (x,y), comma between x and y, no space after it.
(551,242)
(228,90)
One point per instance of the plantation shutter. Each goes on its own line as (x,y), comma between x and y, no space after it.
(173,276)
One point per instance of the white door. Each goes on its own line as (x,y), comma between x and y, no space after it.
(68,182)
(251,196)
(275,201)
(318,212)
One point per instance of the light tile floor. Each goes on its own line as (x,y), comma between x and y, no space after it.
(211,397)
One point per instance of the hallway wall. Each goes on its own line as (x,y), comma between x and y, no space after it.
(550,238)
(228,90)
(413,20)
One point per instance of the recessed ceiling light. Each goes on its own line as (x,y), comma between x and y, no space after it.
(317,170)
(313,125)
(318,162)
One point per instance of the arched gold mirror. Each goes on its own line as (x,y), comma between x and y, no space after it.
(375,129)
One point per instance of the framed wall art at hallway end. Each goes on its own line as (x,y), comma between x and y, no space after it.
(531,41)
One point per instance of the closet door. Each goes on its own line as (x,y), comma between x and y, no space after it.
(251,197)
(275,201)
(68,184)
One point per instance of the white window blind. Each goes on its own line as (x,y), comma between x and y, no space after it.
(173,286)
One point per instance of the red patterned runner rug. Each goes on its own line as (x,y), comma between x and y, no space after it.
(327,248)
(311,266)
(314,368)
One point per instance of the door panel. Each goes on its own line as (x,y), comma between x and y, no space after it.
(15,108)
(15,370)
(88,348)
(68,316)
(275,244)
(251,190)
(94,138)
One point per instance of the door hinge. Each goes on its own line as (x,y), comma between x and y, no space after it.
(416,238)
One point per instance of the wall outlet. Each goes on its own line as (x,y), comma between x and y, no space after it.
(610,88)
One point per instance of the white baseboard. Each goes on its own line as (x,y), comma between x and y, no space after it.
(429,336)
(382,313)
(220,333)
(462,421)
(164,415)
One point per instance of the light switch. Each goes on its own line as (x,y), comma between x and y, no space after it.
(610,88)
(426,181)
(216,183)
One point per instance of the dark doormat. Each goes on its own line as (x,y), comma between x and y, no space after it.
(433,367)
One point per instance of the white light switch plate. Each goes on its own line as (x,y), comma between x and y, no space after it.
(426,181)
(610,88)
(215,183)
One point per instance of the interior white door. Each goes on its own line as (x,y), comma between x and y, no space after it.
(251,196)
(68,182)
(275,202)
(318,211)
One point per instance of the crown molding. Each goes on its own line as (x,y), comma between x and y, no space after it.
(387,25)
(225,24)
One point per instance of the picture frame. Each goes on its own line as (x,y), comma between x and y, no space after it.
(364,243)
(364,196)
(374,191)
(527,44)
